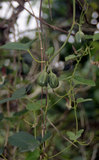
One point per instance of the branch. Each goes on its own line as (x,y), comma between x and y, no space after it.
(44,22)
(56,129)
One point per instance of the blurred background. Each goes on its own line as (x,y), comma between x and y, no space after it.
(17,69)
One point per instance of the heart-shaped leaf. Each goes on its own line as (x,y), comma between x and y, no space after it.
(23,140)
(19,93)
(73,136)
(34,106)
(83,81)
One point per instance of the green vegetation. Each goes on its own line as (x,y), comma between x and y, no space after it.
(49,82)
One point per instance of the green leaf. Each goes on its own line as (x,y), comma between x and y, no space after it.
(19,93)
(17,45)
(83,81)
(33,155)
(71,135)
(96,37)
(80,100)
(78,134)
(72,56)
(20,113)
(23,140)
(65,76)
(34,106)
(6,100)
(88,36)
(50,51)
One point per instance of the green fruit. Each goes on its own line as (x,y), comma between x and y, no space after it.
(79,37)
(43,79)
(53,80)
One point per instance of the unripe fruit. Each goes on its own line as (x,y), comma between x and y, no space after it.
(79,37)
(53,80)
(43,79)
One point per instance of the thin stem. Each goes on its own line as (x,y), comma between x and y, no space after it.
(70,93)
(40,39)
(75,111)
(40,35)
(58,101)
(58,52)
(4,157)
(35,58)
(84,143)
(64,137)
(46,107)
(60,152)
(79,3)
(74,11)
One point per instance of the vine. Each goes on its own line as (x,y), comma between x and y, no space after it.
(47,90)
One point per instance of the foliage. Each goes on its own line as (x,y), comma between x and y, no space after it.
(49,87)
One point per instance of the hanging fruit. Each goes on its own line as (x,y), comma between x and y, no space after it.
(53,80)
(79,37)
(43,79)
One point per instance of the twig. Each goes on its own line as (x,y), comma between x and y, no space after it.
(60,151)
(80,3)
(45,23)
(60,133)
(41,44)
(64,44)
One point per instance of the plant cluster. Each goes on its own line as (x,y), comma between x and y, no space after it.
(44,116)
